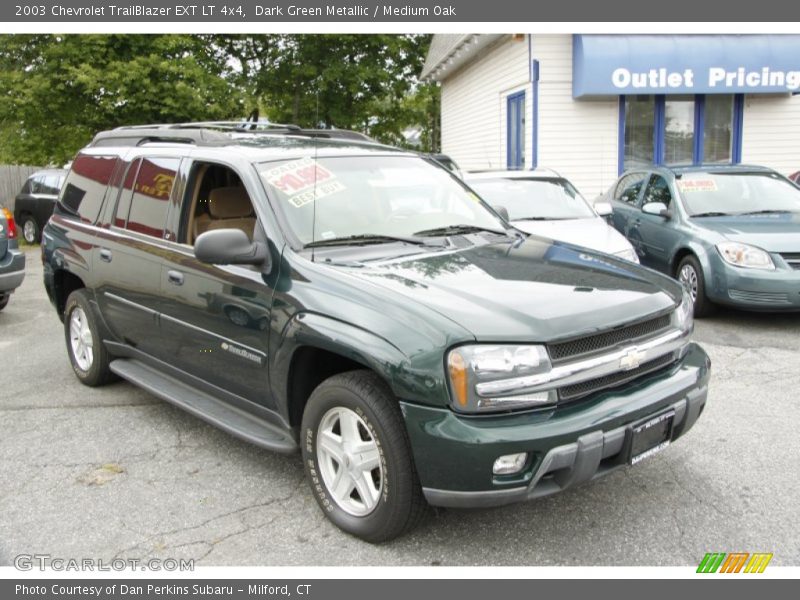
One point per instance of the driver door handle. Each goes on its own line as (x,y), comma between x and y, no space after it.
(175,277)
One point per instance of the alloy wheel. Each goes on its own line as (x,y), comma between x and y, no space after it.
(349,461)
(688,277)
(80,338)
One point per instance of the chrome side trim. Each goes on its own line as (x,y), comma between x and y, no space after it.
(150,311)
(585,370)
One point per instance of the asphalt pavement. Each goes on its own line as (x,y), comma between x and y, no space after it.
(114,472)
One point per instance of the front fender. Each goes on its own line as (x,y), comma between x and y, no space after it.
(414,378)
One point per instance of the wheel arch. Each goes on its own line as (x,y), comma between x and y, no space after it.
(314,348)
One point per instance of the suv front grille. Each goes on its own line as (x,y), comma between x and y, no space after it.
(792,259)
(584,388)
(564,351)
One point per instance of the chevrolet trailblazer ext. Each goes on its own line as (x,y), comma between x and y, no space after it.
(362,305)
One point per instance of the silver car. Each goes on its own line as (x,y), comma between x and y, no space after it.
(544,203)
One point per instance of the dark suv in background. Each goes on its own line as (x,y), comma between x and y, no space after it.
(35,202)
(361,305)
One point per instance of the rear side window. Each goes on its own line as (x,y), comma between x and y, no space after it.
(150,199)
(629,187)
(86,185)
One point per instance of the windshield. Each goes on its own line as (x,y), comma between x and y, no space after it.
(737,193)
(538,198)
(371,195)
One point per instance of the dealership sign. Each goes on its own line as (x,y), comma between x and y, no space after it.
(685,64)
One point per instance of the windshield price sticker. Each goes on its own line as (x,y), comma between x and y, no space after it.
(303,181)
(697,185)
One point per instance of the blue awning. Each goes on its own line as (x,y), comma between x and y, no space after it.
(605,65)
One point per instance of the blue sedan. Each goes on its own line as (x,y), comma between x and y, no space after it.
(731,234)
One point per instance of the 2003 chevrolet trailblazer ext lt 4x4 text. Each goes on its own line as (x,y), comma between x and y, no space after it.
(362,305)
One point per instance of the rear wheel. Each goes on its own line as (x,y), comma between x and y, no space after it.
(358,459)
(30,229)
(87,354)
(690,274)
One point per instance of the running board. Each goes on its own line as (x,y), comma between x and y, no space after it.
(200,404)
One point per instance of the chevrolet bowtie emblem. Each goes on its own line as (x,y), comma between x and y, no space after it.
(632,359)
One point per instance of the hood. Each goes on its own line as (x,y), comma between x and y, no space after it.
(779,232)
(537,290)
(592,232)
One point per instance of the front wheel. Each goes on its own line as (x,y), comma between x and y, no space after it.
(690,274)
(4,298)
(30,230)
(87,354)
(358,459)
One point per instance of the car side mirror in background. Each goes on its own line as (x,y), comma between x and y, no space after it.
(502,211)
(229,247)
(657,208)
(603,209)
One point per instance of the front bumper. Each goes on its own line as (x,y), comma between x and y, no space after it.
(567,445)
(754,289)
(12,270)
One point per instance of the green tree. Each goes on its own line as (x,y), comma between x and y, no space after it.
(59,90)
(350,81)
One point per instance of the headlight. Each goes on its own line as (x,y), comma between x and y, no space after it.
(684,314)
(628,254)
(486,378)
(742,255)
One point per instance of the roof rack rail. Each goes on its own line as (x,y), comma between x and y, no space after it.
(206,133)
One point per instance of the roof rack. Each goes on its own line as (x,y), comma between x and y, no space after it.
(211,133)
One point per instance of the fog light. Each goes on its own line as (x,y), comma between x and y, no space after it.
(510,464)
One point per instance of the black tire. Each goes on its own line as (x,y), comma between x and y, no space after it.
(4,298)
(30,230)
(97,372)
(696,283)
(400,505)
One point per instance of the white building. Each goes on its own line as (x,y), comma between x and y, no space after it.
(590,106)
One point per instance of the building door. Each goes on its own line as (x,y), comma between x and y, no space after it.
(515,130)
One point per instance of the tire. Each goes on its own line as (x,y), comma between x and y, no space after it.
(359,405)
(690,274)
(4,298)
(30,230)
(87,354)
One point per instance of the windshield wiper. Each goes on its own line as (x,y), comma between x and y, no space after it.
(765,212)
(712,214)
(456,229)
(363,239)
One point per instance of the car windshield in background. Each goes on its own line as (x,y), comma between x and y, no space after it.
(737,193)
(540,199)
(393,196)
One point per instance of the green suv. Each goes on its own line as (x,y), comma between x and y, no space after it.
(361,305)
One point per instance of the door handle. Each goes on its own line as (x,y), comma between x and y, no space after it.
(175,277)
(105,254)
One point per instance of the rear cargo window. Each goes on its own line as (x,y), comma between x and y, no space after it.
(86,184)
(151,193)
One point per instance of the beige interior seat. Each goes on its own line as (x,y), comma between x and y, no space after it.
(228,208)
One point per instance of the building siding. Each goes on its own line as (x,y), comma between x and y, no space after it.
(474,106)
(577,138)
(771,130)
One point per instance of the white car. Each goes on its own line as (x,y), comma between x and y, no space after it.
(542,202)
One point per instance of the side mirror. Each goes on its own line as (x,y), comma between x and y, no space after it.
(502,211)
(229,247)
(657,208)
(603,209)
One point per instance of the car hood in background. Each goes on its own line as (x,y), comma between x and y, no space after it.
(533,290)
(779,232)
(593,233)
